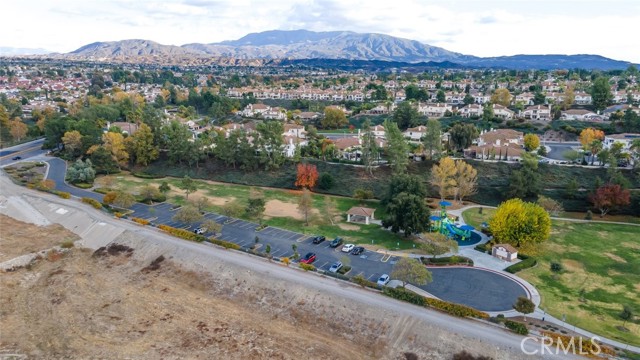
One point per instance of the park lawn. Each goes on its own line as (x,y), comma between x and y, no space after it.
(220,193)
(474,218)
(601,273)
(600,261)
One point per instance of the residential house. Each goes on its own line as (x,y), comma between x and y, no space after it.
(582,98)
(499,144)
(625,139)
(349,147)
(502,112)
(307,116)
(471,110)
(536,112)
(525,98)
(434,110)
(415,133)
(126,127)
(294,130)
(578,114)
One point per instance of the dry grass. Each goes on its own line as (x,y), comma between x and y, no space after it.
(18,238)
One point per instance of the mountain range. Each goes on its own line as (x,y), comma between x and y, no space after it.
(278,46)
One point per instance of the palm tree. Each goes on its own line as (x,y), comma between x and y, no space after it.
(595,147)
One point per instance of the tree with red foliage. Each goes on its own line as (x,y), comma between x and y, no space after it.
(307,176)
(609,197)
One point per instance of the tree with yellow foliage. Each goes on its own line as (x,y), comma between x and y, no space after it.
(531,142)
(465,179)
(501,97)
(588,135)
(72,141)
(443,176)
(520,223)
(18,129)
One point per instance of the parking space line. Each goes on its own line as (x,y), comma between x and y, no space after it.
(387,256)
(372,275)
(321,266)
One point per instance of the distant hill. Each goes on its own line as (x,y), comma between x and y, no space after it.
(11,51)
(133,47)
(344,45)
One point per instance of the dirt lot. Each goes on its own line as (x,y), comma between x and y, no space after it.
(18,238)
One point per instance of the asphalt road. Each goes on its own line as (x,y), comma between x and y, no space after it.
(57,173)
(558,149)
(479,289)
(25,151)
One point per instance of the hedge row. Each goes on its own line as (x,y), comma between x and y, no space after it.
(224,244)
(450,308)
(456,309)
(140,221)
(448,260)
(103,190)
(405,295)
(362,281)
(516,327)
(182,233)
(93,202)
(524,264)
(82,185)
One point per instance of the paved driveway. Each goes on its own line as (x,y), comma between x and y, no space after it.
(480,289)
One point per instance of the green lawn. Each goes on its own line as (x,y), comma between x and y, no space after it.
(474,218)
(319,223)
(601,273)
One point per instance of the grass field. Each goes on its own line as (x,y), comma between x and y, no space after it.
(601,273)
(282,211)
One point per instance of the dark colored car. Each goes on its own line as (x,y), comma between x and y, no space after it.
(336,242)
(16,158)
(357,250)
(309,258)
(318,239)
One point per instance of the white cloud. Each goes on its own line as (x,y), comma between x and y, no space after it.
(483,28)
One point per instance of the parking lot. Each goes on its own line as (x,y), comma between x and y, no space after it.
(369,264)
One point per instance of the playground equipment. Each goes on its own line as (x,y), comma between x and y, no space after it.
(446,226)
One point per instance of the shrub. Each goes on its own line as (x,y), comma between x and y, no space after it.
(524,264)
(405,295)
(118,214)
(110,197)
(362,281)
(326,181)
(182,233)
(63,194)
(140,221)
(67,244)
(224,244)
(456,309)
(47,185)
(285,260)
(556,267)
(343,270)
(93,202)
(82,185)
(307,267)
(482,247)
(586,346)
(516,327)
(589,215)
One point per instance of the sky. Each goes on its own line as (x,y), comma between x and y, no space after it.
(474,27)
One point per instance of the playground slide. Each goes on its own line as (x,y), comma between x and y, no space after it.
(455,231)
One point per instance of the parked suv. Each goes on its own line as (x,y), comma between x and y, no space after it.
(335,267)
(336,242)
(318,239)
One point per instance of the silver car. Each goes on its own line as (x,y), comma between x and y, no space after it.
(335,267)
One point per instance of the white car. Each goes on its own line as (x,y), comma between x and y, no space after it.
(347,248)
(384,280)
(200,230)
(335,267)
